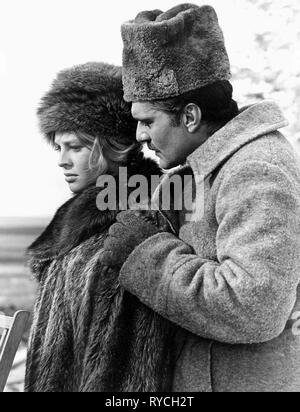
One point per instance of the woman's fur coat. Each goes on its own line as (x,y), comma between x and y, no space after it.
(88,334)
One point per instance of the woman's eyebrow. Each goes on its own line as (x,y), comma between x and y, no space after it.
(68,143)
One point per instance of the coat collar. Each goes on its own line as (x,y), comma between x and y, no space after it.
(252,123)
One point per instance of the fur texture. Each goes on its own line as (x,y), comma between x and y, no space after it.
(87,98)
(168,54)
(88,334)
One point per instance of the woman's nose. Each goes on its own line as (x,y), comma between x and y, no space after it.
(64,160)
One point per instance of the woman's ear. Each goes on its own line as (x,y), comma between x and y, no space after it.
(96,155)
(192,117)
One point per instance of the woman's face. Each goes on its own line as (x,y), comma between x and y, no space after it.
(74,160)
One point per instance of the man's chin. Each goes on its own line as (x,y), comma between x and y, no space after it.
(167,165)
(163,163)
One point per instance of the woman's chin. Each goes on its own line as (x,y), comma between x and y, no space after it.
(75,187)
(78,187)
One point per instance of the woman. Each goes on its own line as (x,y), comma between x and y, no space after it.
(88,334)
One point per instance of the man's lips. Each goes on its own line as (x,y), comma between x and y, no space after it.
(152,148)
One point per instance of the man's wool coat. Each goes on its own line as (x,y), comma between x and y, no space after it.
(231,279)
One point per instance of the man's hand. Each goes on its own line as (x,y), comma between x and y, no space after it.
(131,229)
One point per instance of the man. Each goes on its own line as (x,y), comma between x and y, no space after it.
(230,278)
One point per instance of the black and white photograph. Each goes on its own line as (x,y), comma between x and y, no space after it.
(150,198)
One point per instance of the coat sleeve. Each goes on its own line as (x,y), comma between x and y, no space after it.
(247,294)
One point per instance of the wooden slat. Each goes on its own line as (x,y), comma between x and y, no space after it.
(3,333)
(5,322)
(11,345)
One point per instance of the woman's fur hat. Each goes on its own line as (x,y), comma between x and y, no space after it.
(168,54)
(88,98)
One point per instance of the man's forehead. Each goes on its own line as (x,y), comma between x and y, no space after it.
(142,110)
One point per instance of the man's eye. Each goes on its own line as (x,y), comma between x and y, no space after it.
(57,148)
(146,124)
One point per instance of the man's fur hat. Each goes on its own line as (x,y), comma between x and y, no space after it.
(168,54)
(88,98)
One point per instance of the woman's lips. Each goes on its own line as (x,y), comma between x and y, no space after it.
(70,178)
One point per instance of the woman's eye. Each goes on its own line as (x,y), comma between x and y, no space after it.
(56,148)
(146,124)
(76,148)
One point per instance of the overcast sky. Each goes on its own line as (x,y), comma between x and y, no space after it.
(38,39)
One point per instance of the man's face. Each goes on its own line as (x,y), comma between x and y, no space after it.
(156,129)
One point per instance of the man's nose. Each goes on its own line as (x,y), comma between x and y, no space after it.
(141,135)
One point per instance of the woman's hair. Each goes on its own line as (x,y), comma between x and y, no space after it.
(215,102)
(104,152)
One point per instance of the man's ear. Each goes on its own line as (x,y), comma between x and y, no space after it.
(192,117)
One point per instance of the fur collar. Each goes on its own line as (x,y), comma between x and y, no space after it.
(79,218)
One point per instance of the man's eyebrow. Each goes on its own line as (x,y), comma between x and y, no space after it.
(143,118)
